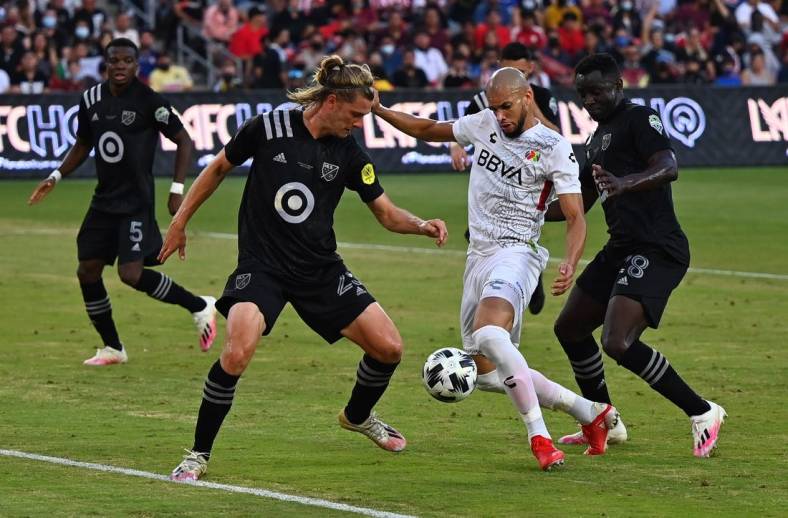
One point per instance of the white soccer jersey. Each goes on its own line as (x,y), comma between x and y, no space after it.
(513,180)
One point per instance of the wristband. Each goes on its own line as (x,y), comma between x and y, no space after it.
(176,188)
(55,175)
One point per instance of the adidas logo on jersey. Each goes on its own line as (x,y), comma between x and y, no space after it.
(95,117)
(623,281)
(280,158)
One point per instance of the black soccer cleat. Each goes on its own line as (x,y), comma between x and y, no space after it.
(537,299)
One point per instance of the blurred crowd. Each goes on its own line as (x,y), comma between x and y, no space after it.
(55,45)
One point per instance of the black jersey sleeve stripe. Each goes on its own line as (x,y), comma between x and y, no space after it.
(277,125)
(98,93)
(485,102)
(288,128)
(267,122)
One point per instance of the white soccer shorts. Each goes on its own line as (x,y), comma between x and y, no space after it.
(511,274)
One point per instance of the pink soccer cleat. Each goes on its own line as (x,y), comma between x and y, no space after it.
(205,321)
(107,356)
(706,430)
(379,432)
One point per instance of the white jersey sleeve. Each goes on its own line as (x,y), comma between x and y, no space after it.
(564,171)
(464,127)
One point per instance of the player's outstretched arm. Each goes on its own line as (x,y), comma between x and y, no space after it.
(572,208)
(396,219)
(202,188)
(183,158)
(417,127)
(76,155)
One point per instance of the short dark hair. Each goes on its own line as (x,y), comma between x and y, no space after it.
(120,43)
(516,51)
(602,62)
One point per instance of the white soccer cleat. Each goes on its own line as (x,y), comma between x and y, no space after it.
(192,467)
(379,432)
(616,432)
(706,430)
(205,321)
(107,356)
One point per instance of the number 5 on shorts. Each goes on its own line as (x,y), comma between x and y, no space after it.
(135,231)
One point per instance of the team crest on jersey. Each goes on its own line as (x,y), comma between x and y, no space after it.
(162,114)
(368,174)
(533,155)
(655,123)
(242,281)
(128,117)
(329,171)
(606,140)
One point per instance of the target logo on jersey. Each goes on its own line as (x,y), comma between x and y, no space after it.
(294,202)
(110,147)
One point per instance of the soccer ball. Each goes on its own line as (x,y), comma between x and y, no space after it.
(449,375)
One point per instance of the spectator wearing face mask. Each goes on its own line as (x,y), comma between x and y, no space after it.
(627,18)
(92,16)
(170,78)
(392,57)
(148,57)
(52,28)
(228,79)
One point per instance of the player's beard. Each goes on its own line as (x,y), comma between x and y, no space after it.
(520,127)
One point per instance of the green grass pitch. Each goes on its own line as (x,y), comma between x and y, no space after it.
(725,334)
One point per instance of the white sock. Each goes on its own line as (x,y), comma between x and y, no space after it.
(557,397)
(495,343)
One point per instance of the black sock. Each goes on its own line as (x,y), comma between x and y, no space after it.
(655,370)
(586,360)
(161,287)
(100,312)
(217,398)
(372,378)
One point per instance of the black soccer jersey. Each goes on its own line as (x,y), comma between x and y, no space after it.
(124,131)
(543,97)
(294,185)
(622,145)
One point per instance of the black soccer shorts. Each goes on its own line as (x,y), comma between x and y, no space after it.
(646,275)
(327,302)
(130,238)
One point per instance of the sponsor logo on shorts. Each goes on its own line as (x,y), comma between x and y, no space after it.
(347,283)
(242,281)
